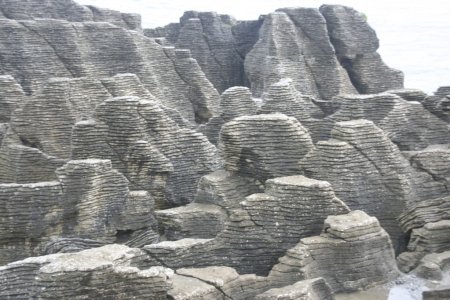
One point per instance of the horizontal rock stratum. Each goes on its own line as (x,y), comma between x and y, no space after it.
(213,158)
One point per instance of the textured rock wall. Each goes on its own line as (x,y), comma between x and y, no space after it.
(119,142)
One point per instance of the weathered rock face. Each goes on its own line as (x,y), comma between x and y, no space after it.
(346,242)
(431,238)
(91,49)
(326,52)
(366,170)
(85,274)
(234,102)
(90,201)
(314,289)
(294,43)
(291,208)
(263,154)
(407,123)
(356,43)
(104,130)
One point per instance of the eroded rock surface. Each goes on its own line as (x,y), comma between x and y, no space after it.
(220,148)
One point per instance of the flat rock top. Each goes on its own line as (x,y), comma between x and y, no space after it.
(217,276)
(352,220)
(263,117)
(88,259)
(299,180)
(35,185)
(179,244)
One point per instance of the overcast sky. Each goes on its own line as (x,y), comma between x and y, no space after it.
(414,34)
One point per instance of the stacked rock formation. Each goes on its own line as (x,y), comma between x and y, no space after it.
(234,102)
(353,240)
(88,274)
(201,160)
(356,43)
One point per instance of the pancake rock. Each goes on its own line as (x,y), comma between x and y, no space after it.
(234,102)
(263,154)
(356,43)
(68,10)
(431,238)
(432,266)
(131,136)
(291,208)
(90,201)
(407,123)
(294,43)
(352,252)
(210,39)
(283,98)
(438,294)
(11,96)
(91,49)
(313,289)
(366,170)
(84,274)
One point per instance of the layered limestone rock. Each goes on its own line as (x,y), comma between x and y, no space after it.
(11,97)
(92,49)
(353,252)
(203,95)
(210,39)
(259,231)
(89,205)
(87,274)
(283,98)
(264,146)
(407,123)
(294,43)
(366,170)
(426,211)
(431,238)
(437,294)
(45,120)
(313,289)
(67,10)
(432,266)
(293,207)
(153,152)
(225,189)
(356,44)
(22,164)
(234,102)
(28,212)
(195,220)
(439,103)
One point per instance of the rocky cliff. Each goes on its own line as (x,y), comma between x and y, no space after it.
(212,158)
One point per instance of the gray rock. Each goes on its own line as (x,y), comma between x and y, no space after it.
(153,152)
(432,266)
(84,274)
(407,123)
(22,164)
(195,220)
(225,189)
(353,252)
(283,98)
(11,97)
(209,37)
(356,43)
(366,170)
(234,102)
(294,43)
(264,146)
(314,289)
(431,238)
(437,294)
